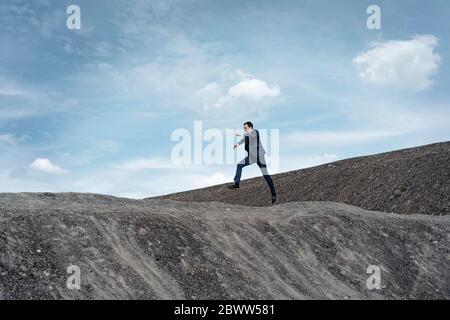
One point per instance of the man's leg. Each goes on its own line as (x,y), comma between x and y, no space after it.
(243,163)
(262,165)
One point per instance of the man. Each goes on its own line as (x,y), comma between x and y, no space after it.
(255,154)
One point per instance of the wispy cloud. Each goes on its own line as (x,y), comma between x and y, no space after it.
(9,87)
(11,90)
(8,138)
(12,139)
(21,100)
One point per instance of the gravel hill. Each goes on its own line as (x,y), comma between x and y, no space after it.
(162,249)
(414,180)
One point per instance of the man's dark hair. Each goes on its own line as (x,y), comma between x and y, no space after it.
(248,123)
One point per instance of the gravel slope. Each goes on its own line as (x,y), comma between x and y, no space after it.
(414,180)
(162,249)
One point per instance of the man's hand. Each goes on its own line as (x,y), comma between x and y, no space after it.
(238,135)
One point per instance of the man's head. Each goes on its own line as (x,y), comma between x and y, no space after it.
(248,126)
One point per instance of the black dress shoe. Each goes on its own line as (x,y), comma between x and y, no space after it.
(233,187)
(274,199)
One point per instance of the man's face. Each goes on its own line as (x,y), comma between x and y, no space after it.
(246,128)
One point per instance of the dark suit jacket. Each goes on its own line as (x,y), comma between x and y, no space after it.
(253,144)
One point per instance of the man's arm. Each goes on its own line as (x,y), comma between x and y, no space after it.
(240,141)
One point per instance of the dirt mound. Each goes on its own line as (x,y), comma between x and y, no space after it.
(414,180)
(153,249)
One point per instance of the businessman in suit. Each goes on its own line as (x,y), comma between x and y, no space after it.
(255,154)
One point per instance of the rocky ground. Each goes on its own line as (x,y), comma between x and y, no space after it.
(162,249)
(414,180)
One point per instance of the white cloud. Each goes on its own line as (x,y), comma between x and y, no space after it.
(47,166)
(407,64)
(251,90)
(254,89)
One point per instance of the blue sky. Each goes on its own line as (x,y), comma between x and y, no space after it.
(93,110)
